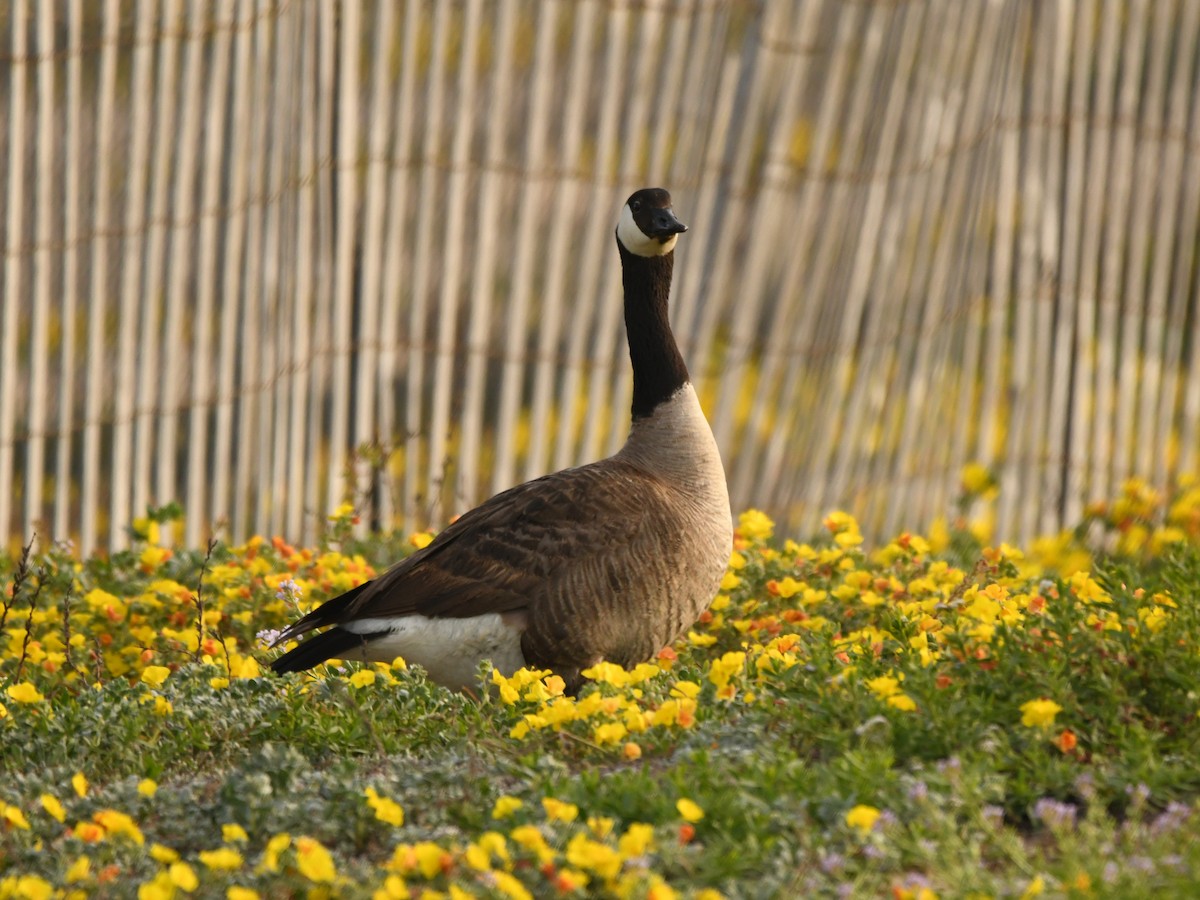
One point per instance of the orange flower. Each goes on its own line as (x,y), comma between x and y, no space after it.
(687,831)
(89,832)
(1066,742)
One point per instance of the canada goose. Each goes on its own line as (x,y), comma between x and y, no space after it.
(608,561)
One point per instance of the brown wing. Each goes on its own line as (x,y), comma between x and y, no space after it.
(520,548)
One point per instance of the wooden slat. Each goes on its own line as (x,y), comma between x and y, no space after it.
(1134,238)
(530,228)
(150,345)
(131,286)
(97,357)
(1187,418)
(281,265)
(396,272)
(373,243)
(65,518)
(594,248)
(13,269)
(301,483)
(609,316)
(171,384)
(1092,364)
(345,236)
(203,392)
(43,277)
(1167,95)
(250,502)
(568,190)
(452,226)
(416,499)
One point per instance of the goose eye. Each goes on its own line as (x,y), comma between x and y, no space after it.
(636,206)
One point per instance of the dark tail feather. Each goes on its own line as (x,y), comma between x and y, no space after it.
(328,613)
(331,644)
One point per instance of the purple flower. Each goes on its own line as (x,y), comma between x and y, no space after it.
(918,792)
(832,863)
(1054,813)
(1171,818)
(289,591)
(1139,794)
(993,815)
(267,637)
(1086,785)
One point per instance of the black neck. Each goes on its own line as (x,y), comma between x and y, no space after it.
(658,367)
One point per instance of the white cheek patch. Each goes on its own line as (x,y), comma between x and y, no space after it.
(635,240)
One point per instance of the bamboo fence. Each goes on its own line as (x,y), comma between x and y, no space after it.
(262,257)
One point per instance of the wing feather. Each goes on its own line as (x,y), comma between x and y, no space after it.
(523,546)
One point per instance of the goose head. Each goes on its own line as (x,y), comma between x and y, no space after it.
(648,226)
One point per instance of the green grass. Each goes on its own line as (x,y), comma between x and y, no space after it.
(848,722)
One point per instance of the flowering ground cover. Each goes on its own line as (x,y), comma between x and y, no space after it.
(933,717)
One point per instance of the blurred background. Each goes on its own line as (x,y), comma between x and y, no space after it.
(263,257)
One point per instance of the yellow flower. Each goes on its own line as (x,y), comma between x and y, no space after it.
(584,853)
(183,876)
(3,711)
(505,807)
(275,846)
(884,686)
(159,888)
(1035,888)
(976,478)
(164,855)
(386,809)
(863,818)
(902,702)
(51,804)
(689,810)
(510,887)
(224,859)
(723,669)
(29,887)
(25,693)
(755,525)
(556,809)
(155,675)
(393,889)
(153,557)
(232,832)
(235,892)
(79,870)
(314,861)
(13,816)
(609,733)
(421,539)
(426,856)
(1039,713)
(147,787)
(636,841)
(362,678)
(114,822)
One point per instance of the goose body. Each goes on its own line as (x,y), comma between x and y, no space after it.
(608,561)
